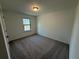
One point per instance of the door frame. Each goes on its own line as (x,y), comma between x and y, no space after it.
(2,23)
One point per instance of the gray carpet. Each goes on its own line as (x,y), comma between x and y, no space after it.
(38,47)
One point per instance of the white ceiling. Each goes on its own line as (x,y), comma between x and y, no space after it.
(24,6)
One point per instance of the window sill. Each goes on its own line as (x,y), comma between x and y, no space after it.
(28,31)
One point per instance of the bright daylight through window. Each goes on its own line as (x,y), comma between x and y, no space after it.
(26,24)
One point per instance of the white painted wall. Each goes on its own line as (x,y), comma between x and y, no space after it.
(15,26)
(56,25)
(74,45)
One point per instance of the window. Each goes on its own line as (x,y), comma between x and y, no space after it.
(26,24)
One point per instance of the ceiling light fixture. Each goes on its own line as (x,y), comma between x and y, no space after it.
(35,8)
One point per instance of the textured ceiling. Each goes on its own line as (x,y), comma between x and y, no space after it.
(25,6)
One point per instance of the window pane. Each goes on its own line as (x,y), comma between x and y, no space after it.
(27,28)
(26,21)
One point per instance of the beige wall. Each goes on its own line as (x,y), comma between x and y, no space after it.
(15,26)
(56,25)
(74,45)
